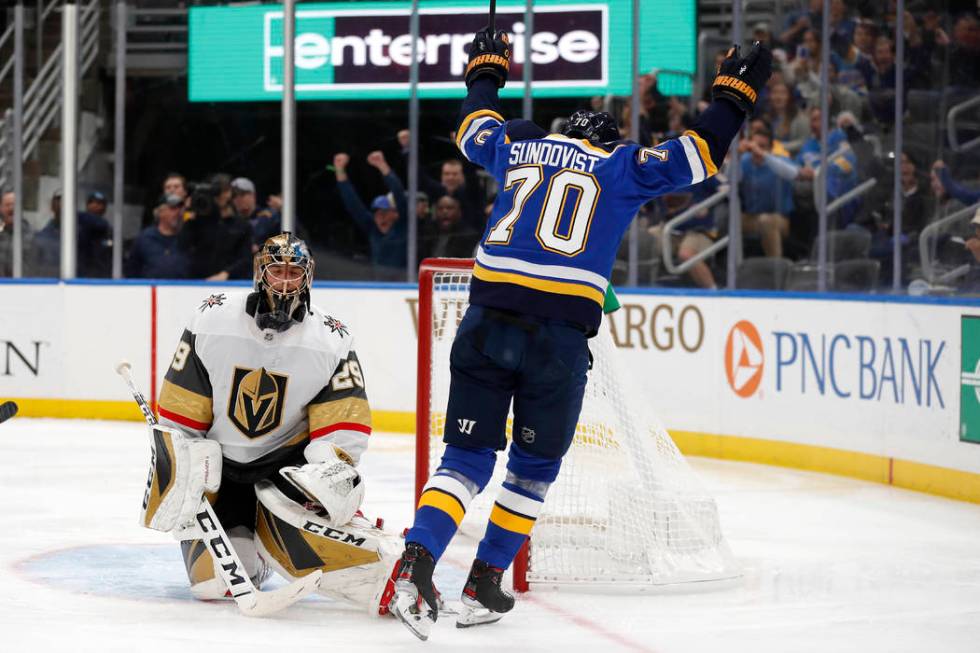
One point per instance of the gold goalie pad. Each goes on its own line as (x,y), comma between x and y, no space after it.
(356,558)
(182,468)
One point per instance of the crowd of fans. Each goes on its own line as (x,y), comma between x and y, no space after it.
(210,231)
(779,155)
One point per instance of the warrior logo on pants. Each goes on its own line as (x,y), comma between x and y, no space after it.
(257,398)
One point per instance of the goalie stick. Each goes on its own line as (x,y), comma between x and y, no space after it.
(7,410)
(251,600)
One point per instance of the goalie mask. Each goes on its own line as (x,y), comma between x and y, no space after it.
(283,275)
(595,126)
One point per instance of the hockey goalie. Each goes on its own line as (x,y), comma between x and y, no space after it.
(264,410)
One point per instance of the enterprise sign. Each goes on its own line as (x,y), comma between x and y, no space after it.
(362,50)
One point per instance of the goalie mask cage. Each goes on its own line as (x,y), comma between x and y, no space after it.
(626,510)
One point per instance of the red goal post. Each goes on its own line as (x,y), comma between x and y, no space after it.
(423,398)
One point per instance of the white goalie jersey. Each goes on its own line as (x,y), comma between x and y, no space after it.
(265,395)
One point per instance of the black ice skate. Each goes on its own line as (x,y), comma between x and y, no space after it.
(484,602)
(415,602)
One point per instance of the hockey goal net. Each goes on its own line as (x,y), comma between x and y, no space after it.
(626,509)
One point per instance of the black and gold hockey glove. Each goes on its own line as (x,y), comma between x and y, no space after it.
(489,55)
(740,80)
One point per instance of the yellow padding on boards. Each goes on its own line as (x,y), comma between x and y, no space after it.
(78,409)
(510,521)
(941,481)
(444,502)
(384,420)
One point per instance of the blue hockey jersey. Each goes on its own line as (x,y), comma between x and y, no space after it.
(563,207)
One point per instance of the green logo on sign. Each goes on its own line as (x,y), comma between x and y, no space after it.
(970,380)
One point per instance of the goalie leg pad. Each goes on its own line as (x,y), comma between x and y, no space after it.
(182,469)
(205,580)
(355,558)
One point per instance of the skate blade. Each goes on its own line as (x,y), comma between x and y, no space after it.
(419,623)
(469,617)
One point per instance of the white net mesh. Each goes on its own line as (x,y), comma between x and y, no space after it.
(626,508)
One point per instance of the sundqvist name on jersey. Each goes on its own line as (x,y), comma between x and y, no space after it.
(557,155)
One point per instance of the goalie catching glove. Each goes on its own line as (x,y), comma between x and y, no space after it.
(489,55)
(739,80)
(182,469)
(332,482)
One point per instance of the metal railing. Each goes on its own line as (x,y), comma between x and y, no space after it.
(42,100)
(930,270)
(666,240)
(854,193)
(954,112)
(9,66)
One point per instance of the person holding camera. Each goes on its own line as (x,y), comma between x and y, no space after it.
(217,243)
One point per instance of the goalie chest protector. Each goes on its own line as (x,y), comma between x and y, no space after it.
(246,387)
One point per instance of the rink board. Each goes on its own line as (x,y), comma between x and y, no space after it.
(886,389)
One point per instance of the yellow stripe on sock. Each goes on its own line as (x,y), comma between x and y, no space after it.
(445,502)
(511,522)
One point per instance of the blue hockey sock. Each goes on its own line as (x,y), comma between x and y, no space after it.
(517,507)
(461,475)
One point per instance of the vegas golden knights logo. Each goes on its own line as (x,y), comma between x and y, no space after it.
(256,401)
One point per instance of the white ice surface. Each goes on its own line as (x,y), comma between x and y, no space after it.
(830,564)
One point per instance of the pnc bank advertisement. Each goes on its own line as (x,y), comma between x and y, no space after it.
(363,50)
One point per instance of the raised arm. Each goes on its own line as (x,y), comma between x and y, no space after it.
(394,184)
(348,194)
(700,151)
(480,127)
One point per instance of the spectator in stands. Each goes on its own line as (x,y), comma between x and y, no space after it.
(7,236)
(798,22)
(920,44)
(94,238)
(693,236)
(767,199)
(805,74)
(47,242)
(842,171)
(841,26)
(964,53)
(951,187)
(423,208)
(914,217)
(218,244)
(971,281)
(92,233)
(854,69)
(446,235)
(454,181)
(790,126)
(865,33)
(175,184)
(884,63)
(265,222)
(155,253)
(381,223)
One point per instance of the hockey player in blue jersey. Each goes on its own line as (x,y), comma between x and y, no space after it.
(536,297)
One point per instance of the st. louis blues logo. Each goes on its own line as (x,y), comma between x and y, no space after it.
(213,300)
(335,325)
